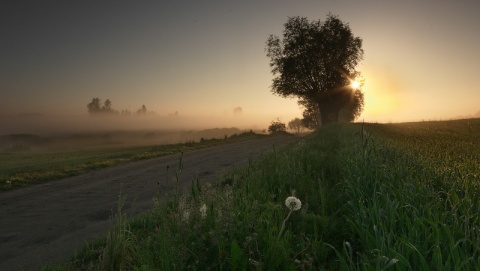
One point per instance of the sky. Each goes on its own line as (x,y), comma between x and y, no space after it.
(202,59)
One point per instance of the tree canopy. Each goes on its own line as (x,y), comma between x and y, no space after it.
(96,107)
(315,61)
(142,110)
(296,125)
(277,127)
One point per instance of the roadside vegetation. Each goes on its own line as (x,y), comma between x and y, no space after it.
(348,197)
(21,166)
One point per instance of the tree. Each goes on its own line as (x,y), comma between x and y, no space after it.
(94,106)
(315,61)
(312,116)
(277,127)
(125,112)
(107,106)
(142,110)
(353,109)
(296,125)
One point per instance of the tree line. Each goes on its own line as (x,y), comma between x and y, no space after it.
(97,107)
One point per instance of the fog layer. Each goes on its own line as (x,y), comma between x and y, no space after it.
(51,125)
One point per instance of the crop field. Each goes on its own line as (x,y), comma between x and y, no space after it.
(348,197)
(30,159)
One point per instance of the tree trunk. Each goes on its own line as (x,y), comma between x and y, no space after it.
(331,105)
(329,113)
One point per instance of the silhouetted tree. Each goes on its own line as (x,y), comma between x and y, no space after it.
(353,109)
(315,61)
(107,107)
(277,127)
(311,115)
(125,112)
(94,106)
(296,125)
(142,110)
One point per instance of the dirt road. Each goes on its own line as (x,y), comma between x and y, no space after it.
(45,224)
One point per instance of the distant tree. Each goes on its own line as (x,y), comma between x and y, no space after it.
(296,125)
(315,61)
(107,107)
(142,110)
(125,112)
(237,111)
(94,106)
(277,127)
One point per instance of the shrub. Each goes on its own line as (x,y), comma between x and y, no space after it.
(277,127)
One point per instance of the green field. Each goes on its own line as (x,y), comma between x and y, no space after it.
(374,197)
(37,160)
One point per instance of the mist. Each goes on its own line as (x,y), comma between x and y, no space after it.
(39,124)
(37,132)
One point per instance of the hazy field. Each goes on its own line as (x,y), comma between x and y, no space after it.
(106,139)
(373,197)
(28,159)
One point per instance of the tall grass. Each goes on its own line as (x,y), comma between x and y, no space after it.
(410,207)
(374,197)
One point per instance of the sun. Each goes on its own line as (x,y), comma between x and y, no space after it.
(355,84)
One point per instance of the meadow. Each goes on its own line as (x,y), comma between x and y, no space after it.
(31,159)
(347,197)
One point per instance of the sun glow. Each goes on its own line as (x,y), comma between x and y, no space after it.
(384,96)
(355,84)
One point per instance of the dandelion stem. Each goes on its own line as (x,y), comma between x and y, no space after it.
(283,226)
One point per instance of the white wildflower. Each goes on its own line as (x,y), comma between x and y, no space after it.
(293,203)
(203,210)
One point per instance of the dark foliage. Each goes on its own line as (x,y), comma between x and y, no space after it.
(96,107)
(315,61)
(296,125)
(277,127)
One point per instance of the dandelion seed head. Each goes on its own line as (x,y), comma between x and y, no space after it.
(293,203)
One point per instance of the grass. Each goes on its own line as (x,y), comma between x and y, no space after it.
(421,210)
(374,197)
(23,168)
